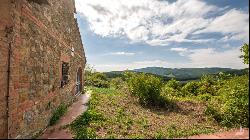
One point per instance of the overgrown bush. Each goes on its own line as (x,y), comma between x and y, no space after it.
(231,107)
(205,97)
(223,76)
(208,85)
(172,89)
(191,88)
(174,84)
(116,82)
(97,79)
(146,87)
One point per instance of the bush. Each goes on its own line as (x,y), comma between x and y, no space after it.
(191,88)
(208,85)
(147,88)
(230,107)
(173,84)
(205,97)
(116,83)
(97,79)
(223,76)
(172,88)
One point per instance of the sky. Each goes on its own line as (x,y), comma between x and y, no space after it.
(130,34)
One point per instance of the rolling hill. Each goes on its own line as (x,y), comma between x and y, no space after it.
(181,74)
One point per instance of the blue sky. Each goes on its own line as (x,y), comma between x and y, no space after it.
(130,34)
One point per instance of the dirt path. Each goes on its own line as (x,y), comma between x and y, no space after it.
(56,131)
(232,134)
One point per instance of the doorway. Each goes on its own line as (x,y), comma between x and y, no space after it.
(79,81)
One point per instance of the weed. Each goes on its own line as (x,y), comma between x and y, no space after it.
(59,112)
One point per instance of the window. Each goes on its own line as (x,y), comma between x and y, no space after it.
(39,1)
(65,74)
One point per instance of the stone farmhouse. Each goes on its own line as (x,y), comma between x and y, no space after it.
(42,63)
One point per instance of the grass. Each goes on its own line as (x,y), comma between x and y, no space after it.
(114,114)
(59,112)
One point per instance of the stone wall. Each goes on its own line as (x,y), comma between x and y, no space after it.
(42,37)
(4,49)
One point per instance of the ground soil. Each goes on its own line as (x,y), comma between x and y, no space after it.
(57,131)
(232,134)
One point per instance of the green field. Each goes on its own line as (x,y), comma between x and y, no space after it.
(116,114)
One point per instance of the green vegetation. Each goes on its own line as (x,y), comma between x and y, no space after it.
(227,100)
(146,87)
(180,74)
(117,114)
(96,79)
(191,88)
(116,83)
(245,56)
(58,113)
(231,107)
(139,105)
(172,88)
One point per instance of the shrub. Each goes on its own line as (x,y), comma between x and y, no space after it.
(205,97)
(191,88)
(170,92)
(173,84)
(208,85)
(97,79)
(223,76)
(146,87)
(59,112)
(172,88)
(116,83)
(230,107)
(211,111)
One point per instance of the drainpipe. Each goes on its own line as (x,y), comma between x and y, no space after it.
(8,91)
(9,30)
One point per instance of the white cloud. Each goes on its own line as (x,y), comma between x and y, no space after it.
(130,66)
(234,24)
(121,53)
(160,22)
(181,51)
(211,58)
(198,58)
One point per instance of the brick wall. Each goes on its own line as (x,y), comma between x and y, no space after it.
(42,37)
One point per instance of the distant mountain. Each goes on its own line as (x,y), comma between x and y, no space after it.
(186,73)
(181,74)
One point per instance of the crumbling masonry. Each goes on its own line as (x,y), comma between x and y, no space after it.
(41,63)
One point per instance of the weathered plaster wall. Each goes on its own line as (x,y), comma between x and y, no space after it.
(43,35)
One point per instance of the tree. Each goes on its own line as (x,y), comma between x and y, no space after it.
(245,56)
